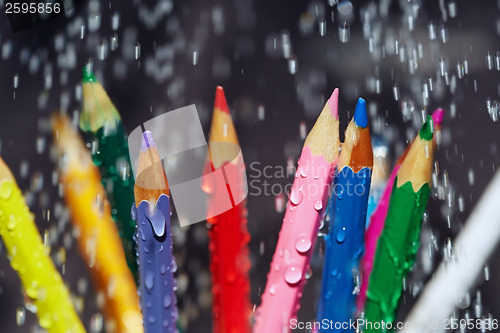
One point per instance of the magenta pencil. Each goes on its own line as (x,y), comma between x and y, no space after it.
(306,205)
(377,220)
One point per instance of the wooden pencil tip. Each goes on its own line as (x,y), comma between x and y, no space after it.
(220,100)
(437,116)
(333,103)
(5,173)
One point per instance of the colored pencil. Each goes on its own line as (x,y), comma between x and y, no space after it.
(98,238)
(306,205)
(378,218)
(399,241)
(154,238)
(473,246)
(228,235)
(31,260)
(345,239)
(102,123)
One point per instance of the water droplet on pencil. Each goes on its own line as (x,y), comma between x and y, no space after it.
(272,290)
(11,224)
(5,190)
(293,274)
(167,301)
(304,171)
(296,196)
(231,276)
(318,205)
(149,280)
(303,244)
(341,234)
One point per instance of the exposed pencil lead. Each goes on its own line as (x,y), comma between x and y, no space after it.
(360,116)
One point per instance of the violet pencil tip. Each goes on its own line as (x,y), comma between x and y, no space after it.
(147,141)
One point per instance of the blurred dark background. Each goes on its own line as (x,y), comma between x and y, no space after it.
(166,54)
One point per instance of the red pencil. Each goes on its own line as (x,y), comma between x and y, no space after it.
(229,261)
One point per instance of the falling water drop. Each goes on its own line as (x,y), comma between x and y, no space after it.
(114,42)
(432,30)
(489,60)
(395,92)
(471,176)
(115,21)
(322,27)
(344,33)
(292,64)
(20,316)
(137,51)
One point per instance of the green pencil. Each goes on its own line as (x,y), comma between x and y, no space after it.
(101,120)
(399,241)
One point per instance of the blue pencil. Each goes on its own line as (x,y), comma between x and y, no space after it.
(154,239)
(345,240)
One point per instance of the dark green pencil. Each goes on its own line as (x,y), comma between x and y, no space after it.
(101,120)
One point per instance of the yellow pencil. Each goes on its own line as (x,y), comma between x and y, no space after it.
(98,237)
(30,258)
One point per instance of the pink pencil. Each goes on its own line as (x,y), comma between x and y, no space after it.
(306,205)
(377,220)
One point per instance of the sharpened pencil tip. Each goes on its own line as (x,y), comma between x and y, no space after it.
(360,116)
(437,116)
(333,103)
(147,141)
(220,100)
(88,76)
(427,130)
